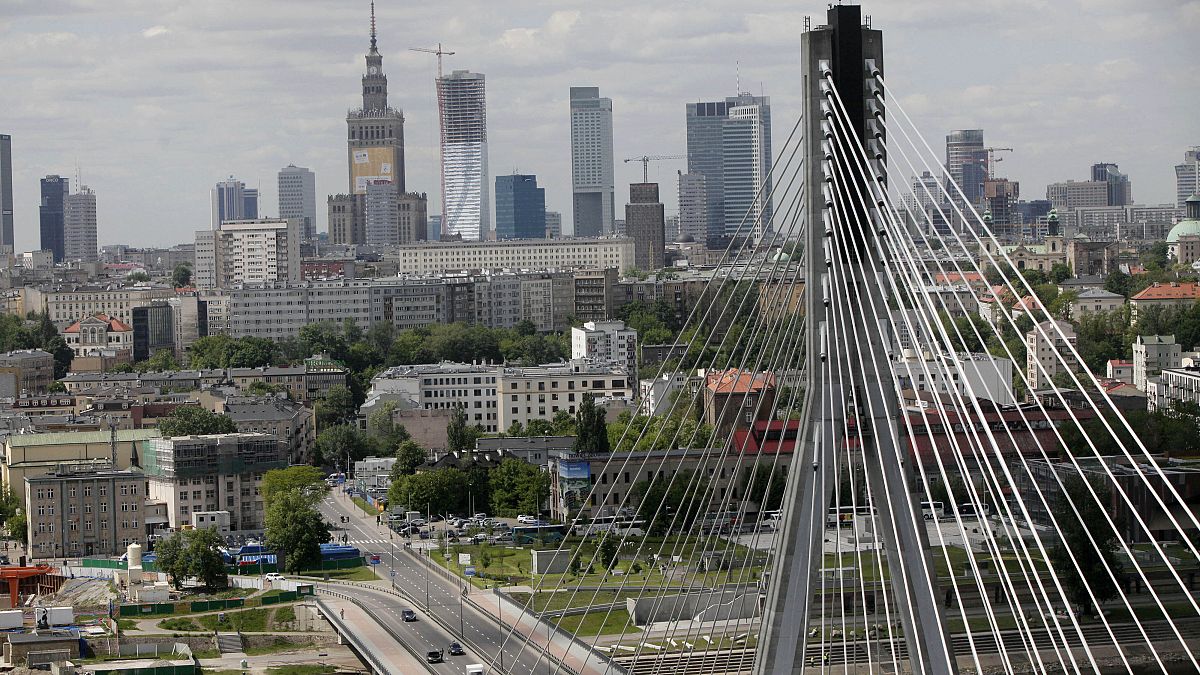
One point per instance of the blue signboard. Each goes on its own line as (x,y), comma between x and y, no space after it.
(469,570)
(375,560)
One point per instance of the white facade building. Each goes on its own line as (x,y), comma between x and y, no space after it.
(298,198)
(1043,351)
(1153,354)
(79,226)
(465,190)
(248,252)
(444,386)
(593,180)
(529,254)
(746,144)
(605,342)
(540,392)
(971,375)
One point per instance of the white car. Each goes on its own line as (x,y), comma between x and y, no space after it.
(274,576)
(525,520)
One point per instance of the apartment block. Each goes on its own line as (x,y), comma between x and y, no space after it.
(84,509)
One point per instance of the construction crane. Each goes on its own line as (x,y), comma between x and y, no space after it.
(991,159)
(438,51)
(646,159)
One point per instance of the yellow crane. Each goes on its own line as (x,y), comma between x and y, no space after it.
(646,159)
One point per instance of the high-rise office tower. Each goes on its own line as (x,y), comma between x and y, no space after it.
(645,224)
(553,225)
(1187,176)
(966,164)
(693,207)
(520,208)
(229,201)
(52,214)
(1119,188)
(746,162)
(708,123)
(79,226)
(592,176)
(250,203)
(298,198)
(465,199)
(6,193)
(382,213)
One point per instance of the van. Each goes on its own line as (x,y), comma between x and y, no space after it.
(476,669)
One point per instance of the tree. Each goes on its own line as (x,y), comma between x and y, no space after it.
(192,420)
(382,425)
(459,436)
(439,491)
(409,455)
(662,497)
(63,355)
(205,561)
(170,559)
(261,388)
(11,516)
(181,276)
(1090,560)
(608,551)
(1156,257)
(763,485)
(138,277)
(308,481)
(337,407)
(335,443)
(517,487)
(1060,272)
(222,351)
(162,360)
(1118,282)
(591,429)
(295,529)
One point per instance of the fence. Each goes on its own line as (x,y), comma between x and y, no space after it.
(211,605)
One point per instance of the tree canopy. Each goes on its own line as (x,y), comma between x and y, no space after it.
(308,481)
(517,487)
(222,351)
(193,553)
(591,429)
(189,420)
(439,491)
(335,443)
(671,502)
(1089,540)
(295,529)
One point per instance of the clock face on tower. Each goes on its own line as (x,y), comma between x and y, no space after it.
(372,70)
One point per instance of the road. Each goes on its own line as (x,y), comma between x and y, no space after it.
(413,580)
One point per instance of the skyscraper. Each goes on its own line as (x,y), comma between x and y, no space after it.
(392,219)
(749,141)
(298,198)
(592,176)
(553,225)
(250,203)
(6,193)
(465,199)
(52,214)
(1187,176)
(966,164)
(79,226)
(520,208)
(746,165)
(645,224)
(1119,188)
(229,201)
(693,207)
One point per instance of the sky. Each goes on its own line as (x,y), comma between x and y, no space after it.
(155,101)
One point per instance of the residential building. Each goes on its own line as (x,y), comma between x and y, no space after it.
(465,202)
(1187,175)
(31,455)
(520,208)
(297,190)
(606,342)
(1043,347)
(153,329)
(221,472)
(290,422)
(594,293)
(79,226)
(593,177)
(1153,354)
(230,199)
(537,254)
(190,320)
(1095,300)
(1120,191)
(25,371)
(94,334)
(553,225)
(733,399)
(1173,385)
(970,375)
(657,395)
(1119,370)
(1145,222)
(247,251)
(84,509)
(444,386)
(69,302)
(52,215)
(373,473)
(737,128)
(644,218)
(966,165)
(1171,294)
(6,194)
(540,392)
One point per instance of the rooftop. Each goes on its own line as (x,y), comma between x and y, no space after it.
(70,437)
(1175,290)
(734,381)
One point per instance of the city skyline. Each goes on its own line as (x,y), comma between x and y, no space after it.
(160,133)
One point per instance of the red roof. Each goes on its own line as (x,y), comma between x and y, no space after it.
(952,277)
(1175,290)
(1118,363)
(767,438)
(114,324)
(734,381)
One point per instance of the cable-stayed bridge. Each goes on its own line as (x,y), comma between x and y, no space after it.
(924,525)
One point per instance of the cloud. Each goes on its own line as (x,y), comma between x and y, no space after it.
(155,31)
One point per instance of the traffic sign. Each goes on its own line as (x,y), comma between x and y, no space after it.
(393,572)
(375,560)
(469,570)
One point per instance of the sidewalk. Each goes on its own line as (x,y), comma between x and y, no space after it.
(374,638)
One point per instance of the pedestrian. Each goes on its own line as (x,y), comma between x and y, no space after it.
(342,613)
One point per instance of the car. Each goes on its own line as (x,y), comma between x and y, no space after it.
(407,615)
(480,516)
(525,520)
(433,656)
(456,649)
(479,538)
(501,526)
(274,576)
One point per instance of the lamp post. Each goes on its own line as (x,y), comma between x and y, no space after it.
(500,611)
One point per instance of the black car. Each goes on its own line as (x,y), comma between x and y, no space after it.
(408,615)
(433,656)
(456,649)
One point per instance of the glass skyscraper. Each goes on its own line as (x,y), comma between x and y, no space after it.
(729,142)
(520,208)
(465,199)
(6,192)
(52,214)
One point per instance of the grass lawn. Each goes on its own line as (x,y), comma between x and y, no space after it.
(512,565)
(360,573)
(596,623)
(367,508)
(257,620)
(302,670)
(127,624)
(568,599)
(180,624)
(279,645)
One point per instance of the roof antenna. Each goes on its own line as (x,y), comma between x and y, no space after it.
(372,24)
(737,69)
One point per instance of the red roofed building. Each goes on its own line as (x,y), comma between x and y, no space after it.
(95,334)
(765,437)
(1172,294)
(1120,370)
(733,399)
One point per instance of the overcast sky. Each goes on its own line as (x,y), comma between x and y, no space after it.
(157,100)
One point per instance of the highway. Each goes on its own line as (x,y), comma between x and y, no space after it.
(413,580)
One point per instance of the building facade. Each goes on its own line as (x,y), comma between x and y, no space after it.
(540,392)
(153,329)
(52,215)
(520,208)
(96,334)
(79,226)
(746,167)
(966,165)
(1041,355)
(530,254)
(606,342)
(465,199)
(6,194)
(1153,354)
(1187,176)
(247,252)
(232,200)
(25,371)
(297,190)
(740,126)
(693,207)
(84,509)
(644,224)
(593,178)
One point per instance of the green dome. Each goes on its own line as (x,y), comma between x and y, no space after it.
(1183,228)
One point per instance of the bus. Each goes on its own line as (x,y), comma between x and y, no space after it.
(974,511)
(772,519)
(843,516)
(933,510)
(530,534)
(621,525)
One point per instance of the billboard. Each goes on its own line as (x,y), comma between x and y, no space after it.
(368,165)
(574,483)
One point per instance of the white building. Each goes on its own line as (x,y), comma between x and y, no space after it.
(515,254)
(1095,300)
(444,386)
(1173,386)
(655,396)
(97,334)
(540,392)
(746,144)
(79,226)
(1043,351)
(593,180)
(248,252)
(298,198)
(605,342)
(693,207)
(465,198)
(1153,354)
(374,472)
(971,375)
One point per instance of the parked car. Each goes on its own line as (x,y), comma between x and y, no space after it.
(407,615)
(433,656)
(456,649)
(480,516)
(274,576)
(525,519)
(418,522)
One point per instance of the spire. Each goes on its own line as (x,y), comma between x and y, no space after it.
(373,26)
